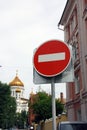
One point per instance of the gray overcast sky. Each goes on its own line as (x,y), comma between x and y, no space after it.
(24,25)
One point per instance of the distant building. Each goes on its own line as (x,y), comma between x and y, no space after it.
(17,91)
(31,117)
(74,23)
(62,99)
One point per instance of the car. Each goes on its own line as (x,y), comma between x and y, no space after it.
(75,125)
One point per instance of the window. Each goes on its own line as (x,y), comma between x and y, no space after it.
(76,47)
(68,32)
(79,114)
(16,96)
(75,51)
(77,84)
(71,26)
(86,30)
(76,18)
(13,93)
(73,22)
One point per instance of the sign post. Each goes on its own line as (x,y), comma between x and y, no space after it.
(51,59)
(53,105)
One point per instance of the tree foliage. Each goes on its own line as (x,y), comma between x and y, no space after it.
(59,107)
(21,119)
(7,106)
(42,107)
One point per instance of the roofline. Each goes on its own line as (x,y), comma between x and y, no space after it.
(66,12)
(63,14)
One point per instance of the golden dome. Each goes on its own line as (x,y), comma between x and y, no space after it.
(16,82)
(18,90)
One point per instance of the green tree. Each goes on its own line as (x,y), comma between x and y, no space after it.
(7,106)
(21,119)
(59,107)
(42,107)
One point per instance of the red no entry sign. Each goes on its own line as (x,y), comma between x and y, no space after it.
(51,58)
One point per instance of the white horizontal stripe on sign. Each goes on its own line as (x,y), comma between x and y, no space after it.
(51,57)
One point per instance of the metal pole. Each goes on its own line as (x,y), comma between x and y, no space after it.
(53,105)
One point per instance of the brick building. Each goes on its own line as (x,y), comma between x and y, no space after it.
(74,23)
(31,116)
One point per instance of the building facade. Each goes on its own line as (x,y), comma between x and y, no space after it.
(31,116)
(74,23)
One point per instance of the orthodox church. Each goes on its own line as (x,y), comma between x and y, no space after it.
(17,91)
